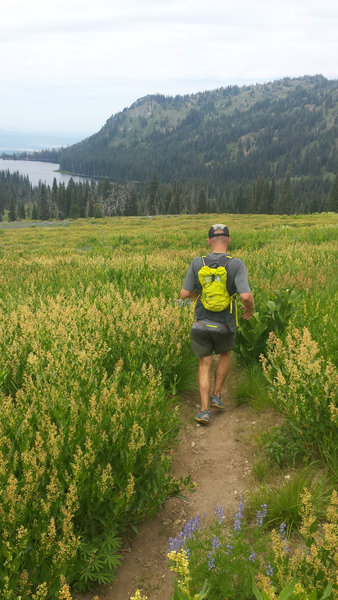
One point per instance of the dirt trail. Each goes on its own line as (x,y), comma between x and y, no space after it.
(219,458)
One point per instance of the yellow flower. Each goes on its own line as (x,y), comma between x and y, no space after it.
(138,596)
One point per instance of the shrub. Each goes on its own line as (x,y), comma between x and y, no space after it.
(85,435)
(311,567)
(270,315)
(303,388)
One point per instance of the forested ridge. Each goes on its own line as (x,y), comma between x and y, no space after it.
(229,134)
(270,148)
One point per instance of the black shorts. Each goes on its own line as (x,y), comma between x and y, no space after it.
(208,337)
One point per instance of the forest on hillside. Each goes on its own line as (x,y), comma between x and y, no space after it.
(104,198)
(227,135)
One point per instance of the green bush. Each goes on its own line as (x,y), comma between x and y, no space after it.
(303,387)
(86,431)
(270,315)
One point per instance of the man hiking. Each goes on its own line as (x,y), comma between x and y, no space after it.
(215,280)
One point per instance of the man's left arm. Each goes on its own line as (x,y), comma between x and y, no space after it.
(248,305)
(242,285)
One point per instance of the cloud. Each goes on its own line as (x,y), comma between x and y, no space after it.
(85,60)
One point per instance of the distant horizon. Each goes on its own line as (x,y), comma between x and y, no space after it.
(43,132)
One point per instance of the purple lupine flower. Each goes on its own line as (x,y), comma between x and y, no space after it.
(269,570)
(238,517)
(282,535)
(218,510)
(282,530)
(177,543)
(191,526)
(215,543)
(261,514)
(229,548)
(252,556)
(211,560)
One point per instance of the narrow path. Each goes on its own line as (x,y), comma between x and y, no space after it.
(219,458)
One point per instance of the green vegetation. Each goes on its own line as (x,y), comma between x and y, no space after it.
(244,560)
(95,348)
(18,199)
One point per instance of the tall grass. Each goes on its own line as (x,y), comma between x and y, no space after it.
(93,348)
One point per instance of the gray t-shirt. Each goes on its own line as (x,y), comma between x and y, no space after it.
(237,282)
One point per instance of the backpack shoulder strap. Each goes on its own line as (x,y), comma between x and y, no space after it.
(222,261)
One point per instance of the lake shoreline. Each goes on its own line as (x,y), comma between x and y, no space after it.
(40,171)
(68,173)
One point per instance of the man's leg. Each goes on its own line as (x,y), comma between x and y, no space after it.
(221,372)
(204,380)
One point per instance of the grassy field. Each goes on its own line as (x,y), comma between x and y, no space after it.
(93,352)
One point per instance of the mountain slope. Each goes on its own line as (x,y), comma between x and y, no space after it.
(229,134)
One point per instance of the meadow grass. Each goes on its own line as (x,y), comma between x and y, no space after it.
(94,348)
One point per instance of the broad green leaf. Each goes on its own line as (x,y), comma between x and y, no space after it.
(286,592)
(327,592)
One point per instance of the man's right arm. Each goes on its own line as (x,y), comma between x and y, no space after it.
(189,285)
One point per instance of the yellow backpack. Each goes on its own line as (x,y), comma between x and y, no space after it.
(213,279)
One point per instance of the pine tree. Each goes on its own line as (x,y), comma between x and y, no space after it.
(43,204)
(240,201)
(62,201)
(332,201)
(271,196)
(12,214)
(174,200)
(153,191)
(284,201)
(130,207)
(35,214)
(21,211)
(201,201)
(54,200)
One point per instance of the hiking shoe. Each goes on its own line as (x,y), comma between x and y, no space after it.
(203,417)
(216,402)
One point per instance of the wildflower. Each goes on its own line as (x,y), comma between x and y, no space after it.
(238,517)
(282,530)
(138,596)
(64,593)
(218,510)
(215,543)
(229,548)
(269,570)
(211,560)
(191,526)
(252,556)
(177,543)
(180,566)
(261,514)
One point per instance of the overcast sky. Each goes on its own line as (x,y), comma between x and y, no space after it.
(68,65)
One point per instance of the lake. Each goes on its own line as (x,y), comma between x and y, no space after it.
(37,171)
